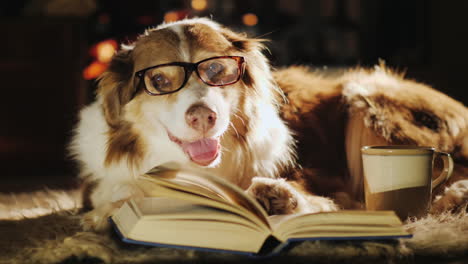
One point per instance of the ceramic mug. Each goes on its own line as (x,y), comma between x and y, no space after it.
(399,178)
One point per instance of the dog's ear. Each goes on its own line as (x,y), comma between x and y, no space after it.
(253,48)
(241,42)
(115,87)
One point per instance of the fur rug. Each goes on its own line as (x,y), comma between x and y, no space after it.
(58,238)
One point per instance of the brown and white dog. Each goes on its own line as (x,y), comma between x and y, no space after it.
(231,130)
(196,93)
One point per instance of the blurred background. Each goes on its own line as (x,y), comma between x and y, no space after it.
(51,51)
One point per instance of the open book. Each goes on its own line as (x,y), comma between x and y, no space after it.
(202,211)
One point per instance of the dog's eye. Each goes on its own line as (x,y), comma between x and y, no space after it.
(219,71)
(161,83)
(214,68)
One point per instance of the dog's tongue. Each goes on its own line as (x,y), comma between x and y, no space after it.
(202,151)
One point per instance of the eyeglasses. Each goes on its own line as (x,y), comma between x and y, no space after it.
(171,77)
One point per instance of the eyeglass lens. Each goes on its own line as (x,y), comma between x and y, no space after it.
(216,71)
(219,71)
(164,79)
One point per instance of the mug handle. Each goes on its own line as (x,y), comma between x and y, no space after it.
(446,172)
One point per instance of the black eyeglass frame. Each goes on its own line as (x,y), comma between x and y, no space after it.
(189,68)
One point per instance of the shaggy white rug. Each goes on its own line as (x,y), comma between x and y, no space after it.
(58,238)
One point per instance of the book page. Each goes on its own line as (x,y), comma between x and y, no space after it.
(344,222)
(166,208)
(209,186)
(169,221)
(169,179)
(157,188)
(200,234)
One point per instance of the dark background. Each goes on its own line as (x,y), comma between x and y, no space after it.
(46,44)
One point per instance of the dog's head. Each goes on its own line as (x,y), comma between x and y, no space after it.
(184,86)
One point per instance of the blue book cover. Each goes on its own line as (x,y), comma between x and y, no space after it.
(271,246)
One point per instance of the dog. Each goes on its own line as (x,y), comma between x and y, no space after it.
(195,93)
(199,94)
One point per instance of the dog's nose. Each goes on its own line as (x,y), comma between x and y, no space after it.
(200,117)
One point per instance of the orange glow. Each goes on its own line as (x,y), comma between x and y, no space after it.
(93,70)
(105,50)
(104,18)
(171,17)
(199,5)
(250,19)
(145,20)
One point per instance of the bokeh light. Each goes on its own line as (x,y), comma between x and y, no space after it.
(105,50)
(171,16)
(145,20)
(250,19)
(199,5)
(93,70)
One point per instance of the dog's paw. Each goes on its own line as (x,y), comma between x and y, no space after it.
(106,201)
(277,196)
(97,220)
(453,198)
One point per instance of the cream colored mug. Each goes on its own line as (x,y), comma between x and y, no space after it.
(399,178)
